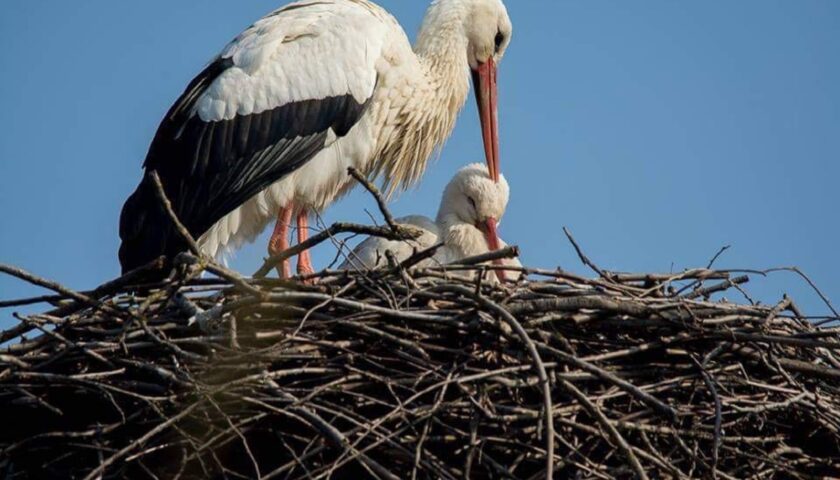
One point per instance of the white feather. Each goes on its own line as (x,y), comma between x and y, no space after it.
(273,60)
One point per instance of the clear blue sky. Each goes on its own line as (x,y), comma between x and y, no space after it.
(657,130)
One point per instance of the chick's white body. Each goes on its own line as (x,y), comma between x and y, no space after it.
(470,198)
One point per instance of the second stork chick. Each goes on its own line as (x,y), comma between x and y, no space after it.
(466,224)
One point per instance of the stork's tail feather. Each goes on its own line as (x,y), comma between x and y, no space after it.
(145,229)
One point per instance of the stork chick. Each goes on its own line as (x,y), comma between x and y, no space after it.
(466,224)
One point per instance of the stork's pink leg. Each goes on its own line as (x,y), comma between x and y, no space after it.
(280,240)
(304,265)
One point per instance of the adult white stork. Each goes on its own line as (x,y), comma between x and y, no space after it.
(466,224)
(270,127)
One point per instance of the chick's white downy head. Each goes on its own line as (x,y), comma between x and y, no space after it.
(470,211)
(472,197)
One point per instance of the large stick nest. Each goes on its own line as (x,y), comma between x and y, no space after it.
(418,374)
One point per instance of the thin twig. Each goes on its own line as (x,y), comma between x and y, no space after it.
(583,258)
(57,287)
(380,201)
(718,255)
(602,420)
(327,235)
(160,192)
(721,287)
(538,363)
(501,254)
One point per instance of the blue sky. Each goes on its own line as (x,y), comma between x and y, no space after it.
(658,131)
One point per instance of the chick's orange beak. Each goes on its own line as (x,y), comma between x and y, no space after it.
(486,93)
(489,228)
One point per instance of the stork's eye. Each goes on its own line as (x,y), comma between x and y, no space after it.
(500,39)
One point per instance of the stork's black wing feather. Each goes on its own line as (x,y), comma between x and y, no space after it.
(208,169)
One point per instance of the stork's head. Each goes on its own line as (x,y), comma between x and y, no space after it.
(473,199)
(488,31)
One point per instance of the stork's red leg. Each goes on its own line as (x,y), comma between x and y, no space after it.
(280,240)
(304,265)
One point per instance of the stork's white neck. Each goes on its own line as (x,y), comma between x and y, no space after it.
(442,36)
(442,48)
(430,102)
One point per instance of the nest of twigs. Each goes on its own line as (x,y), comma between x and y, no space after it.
(418,374)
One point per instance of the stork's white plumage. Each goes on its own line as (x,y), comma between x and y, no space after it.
(471,207)
(270,127)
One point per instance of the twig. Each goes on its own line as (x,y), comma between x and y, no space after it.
(326,235)
(334,436)
(160,192)
(380,201)
(420,256)
(103,466)
(717,255)
(583,258)
(810,282)
(602,420)
(721,287)
(506,316)
(56,287)
(635,391)
(710,384)
(501,254)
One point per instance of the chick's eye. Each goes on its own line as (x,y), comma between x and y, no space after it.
(472,202)
(500,39)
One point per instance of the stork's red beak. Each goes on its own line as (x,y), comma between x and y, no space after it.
(493,244)
(486,92)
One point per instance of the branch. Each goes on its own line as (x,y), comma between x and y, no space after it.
(393,232)
(167,205)
(810,282)
(721,287)
(380,201)
(326,235)
(501,254)
(717,255)
(583,258)
(517,327)
(420,256)
(56,287)
(602,420)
